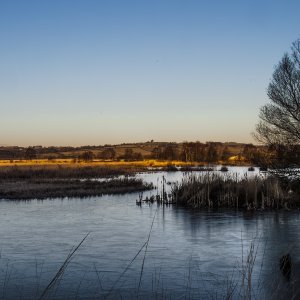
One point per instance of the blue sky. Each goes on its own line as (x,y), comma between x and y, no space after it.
(106,71)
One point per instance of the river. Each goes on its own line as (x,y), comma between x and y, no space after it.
(189,255)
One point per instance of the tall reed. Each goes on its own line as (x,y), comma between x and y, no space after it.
(212,190)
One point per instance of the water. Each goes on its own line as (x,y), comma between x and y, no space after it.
(190,255)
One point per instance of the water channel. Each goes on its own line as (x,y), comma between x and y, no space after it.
(190,254)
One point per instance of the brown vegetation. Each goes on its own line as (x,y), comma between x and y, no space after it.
(59,171)
(215,191)
(60,188)
(40,182)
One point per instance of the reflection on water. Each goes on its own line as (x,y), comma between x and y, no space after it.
(191,254)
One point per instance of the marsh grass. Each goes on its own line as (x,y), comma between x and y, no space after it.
(59,172)
(211,190)
(61,188)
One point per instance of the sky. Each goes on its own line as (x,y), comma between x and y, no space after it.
(94,72)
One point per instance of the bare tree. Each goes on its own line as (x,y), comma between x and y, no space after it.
(87,156)
(279,126)
(30,153)
(108,153)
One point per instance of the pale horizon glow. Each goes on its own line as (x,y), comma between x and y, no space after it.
(108,72)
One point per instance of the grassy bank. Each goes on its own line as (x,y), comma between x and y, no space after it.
(33,172)
(214,191)
(49,181)
(53,188)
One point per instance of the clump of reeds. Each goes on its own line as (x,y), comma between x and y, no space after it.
(228,191)
(224,169)
(171,168)
(195,168)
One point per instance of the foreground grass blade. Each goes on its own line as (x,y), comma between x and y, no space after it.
(61,270)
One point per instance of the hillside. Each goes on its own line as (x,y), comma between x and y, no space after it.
(208,152)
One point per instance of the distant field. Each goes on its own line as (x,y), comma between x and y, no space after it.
(107,163)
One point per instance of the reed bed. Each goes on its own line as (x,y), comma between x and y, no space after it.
(212,190)
(61,188)
(78,170)
(41,182)
(58,171)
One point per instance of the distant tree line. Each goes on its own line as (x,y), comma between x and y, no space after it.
(209,152)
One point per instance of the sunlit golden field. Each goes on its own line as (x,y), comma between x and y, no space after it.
(107,163)
(75,163)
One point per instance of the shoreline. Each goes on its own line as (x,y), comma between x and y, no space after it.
(37,181)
